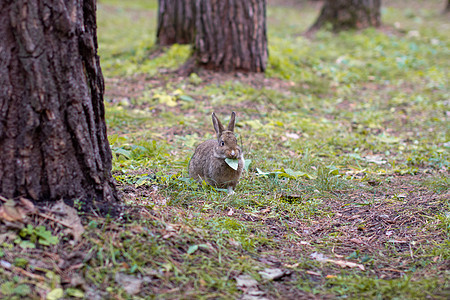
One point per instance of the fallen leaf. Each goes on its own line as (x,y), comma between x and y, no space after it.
(254,294)
(272,274)
(192,249)
(13,211)
(186,98)
(376,159)
(292,266)
(166,99)
(313,273)
(131,284)
(17,210)
(10,213)
(247,163)
(55,294)
(230,212)
(319,257)
(27,206)
(292,136)
(245,281)
(6,265)
(343,264)
(68,216)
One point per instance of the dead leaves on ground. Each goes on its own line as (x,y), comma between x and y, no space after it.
(342,263)
(16,210)
(249,285)
(16,213)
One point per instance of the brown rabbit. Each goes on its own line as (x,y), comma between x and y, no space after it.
(208,162)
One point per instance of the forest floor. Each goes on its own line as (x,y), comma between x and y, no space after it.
(346,196)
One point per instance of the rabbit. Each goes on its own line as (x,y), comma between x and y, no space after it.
(208,162)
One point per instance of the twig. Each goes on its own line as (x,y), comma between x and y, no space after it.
(297,233)
(392,270)
(55,220)
(24,272)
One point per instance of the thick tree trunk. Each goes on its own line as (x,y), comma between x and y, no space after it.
(231,35)
(176,22)
(349,14)
(52,120)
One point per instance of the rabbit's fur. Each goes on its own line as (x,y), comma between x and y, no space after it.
(208,162)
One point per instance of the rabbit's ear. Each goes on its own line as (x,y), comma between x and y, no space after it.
(218,127)
(232,122)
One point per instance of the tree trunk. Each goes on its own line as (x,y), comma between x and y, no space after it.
(349,14)
(176,22)
(231,35)
(52,119)
(447,8)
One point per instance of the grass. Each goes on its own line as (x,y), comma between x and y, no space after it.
(349,141)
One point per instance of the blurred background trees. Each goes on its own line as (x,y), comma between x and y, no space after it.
(349,14)
(176,22)
(226,35)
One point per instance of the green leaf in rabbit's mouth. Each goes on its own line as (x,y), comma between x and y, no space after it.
(233,163)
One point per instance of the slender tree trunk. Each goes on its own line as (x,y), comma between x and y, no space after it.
(447,8)
(231,35)
(349,14)
(52,119)
(176,22)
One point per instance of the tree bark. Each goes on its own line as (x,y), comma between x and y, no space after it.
(231,35)
(349,14)
(447,8)
(176,22)
(52,120)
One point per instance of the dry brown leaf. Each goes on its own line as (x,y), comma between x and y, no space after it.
(313,273)
(343,264)
(27,206)
(245,281)
(131,284)
(68,216)
(272,274)
(12,212)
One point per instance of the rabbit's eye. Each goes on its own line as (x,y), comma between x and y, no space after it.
(222,143)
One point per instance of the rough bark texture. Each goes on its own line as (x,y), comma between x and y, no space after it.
(176,22)
(52,120)
(349,14)
(231,35)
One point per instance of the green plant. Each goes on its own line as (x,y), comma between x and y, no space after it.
(31,236)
